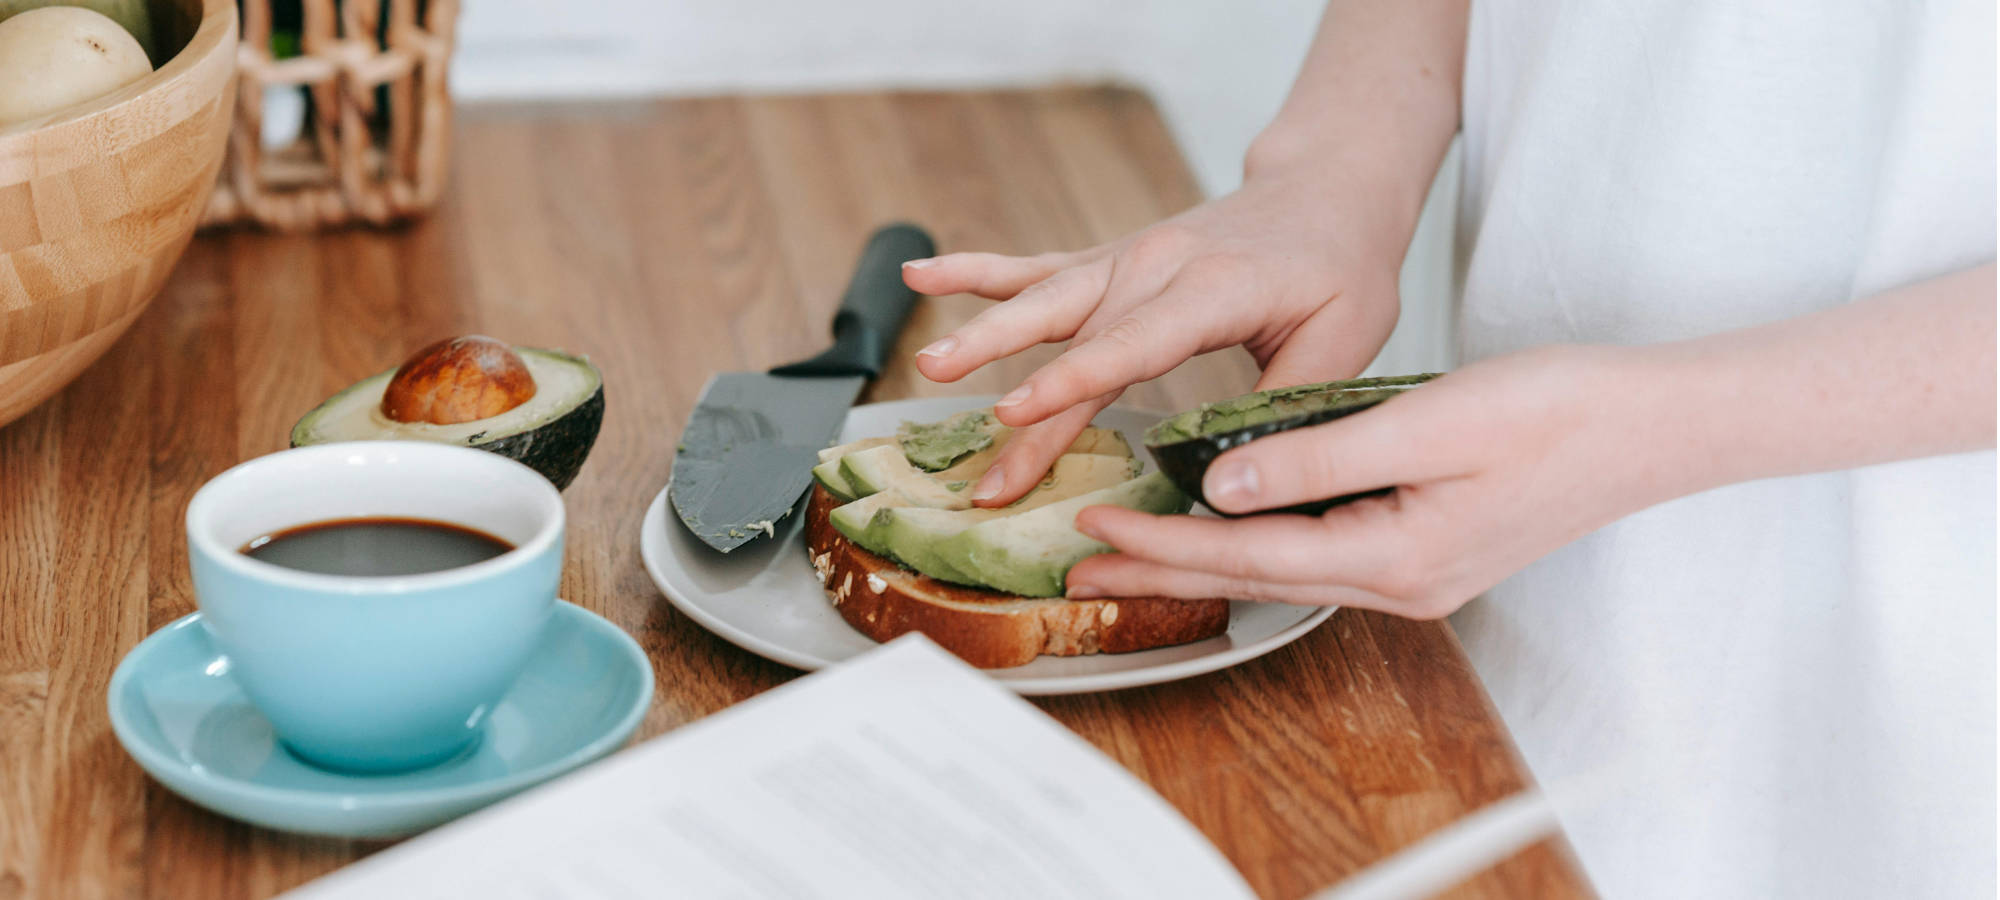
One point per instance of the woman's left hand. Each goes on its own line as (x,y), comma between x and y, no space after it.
(1494,466)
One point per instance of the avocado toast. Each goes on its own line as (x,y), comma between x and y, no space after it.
(896,542)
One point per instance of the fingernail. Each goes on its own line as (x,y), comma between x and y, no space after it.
(920,263)
(1017,397)
(990,485)
(942,347)
(1232,483)
(1083,592)
(1089,531)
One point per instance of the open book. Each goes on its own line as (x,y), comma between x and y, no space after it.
(904,773)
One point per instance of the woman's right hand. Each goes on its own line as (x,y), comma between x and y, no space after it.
(1280,266)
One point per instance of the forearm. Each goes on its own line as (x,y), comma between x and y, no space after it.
(1903,374)
(1374,107)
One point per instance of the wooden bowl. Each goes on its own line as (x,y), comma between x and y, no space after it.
(98,200)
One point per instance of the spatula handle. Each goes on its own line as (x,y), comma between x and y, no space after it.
(873,311)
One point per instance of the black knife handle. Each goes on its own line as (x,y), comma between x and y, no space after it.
(876,305)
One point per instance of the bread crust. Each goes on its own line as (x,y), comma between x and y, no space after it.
(986,628)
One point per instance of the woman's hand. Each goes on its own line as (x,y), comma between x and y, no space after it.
(1299,265)
(1507,459)
(1280,267)
(1494,466)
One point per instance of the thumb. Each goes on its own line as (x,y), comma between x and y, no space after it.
(1336,342)
(1386,446)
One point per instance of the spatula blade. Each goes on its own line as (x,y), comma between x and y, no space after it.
(747,453)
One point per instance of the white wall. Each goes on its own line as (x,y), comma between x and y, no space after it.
(1217,68)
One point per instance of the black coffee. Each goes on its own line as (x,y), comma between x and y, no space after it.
(381,546)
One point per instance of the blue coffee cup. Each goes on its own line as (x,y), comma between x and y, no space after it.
(376,673)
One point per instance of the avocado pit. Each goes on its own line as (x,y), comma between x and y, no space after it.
(456,380)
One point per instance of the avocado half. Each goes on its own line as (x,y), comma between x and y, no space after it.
(1185,444)
(552,433)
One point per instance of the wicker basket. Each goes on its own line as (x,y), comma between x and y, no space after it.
(376,129)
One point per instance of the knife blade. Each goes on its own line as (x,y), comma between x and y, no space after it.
(746,454)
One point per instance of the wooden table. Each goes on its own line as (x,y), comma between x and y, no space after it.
(668,240)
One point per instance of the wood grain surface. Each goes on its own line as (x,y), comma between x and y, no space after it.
(667,240)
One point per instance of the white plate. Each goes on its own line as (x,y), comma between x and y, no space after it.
(763,597)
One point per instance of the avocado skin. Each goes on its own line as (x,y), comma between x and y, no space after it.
(558,448)
(1186,459)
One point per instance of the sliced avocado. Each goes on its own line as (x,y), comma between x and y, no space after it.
(1101,441)
(827,473)
(1030,554)
(829,477)
(967,469)
(853,519)
(882,478)
(856,519)
(1094,440)
(1185,444)
(936,445)
(883,468)
(913,535)
(902,508)
(830,454)
(551,433)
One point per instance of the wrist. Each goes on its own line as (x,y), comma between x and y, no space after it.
(1279,151)
(1368,218)
(1379,161)
(1667,420)
(1624,422)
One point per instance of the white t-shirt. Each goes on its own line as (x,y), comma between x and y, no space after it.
(1800,669)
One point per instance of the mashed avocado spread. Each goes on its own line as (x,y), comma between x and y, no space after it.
(935,446)
(1276,404)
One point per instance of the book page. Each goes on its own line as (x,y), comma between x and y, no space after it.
(902,774)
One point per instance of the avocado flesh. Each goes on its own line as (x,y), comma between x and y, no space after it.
(827,474)
(969,440)
(833,454)
(935,446)
(924,520)
(551,433)
(852,519)
(1101,441)
(1030,554)
(1277,404)
(879,477)
(878,469)
(1094,440)
(860,469)
(916,536)
(967,468)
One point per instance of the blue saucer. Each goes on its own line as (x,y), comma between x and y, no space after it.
(179,713)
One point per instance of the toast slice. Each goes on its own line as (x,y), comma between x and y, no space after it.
(989,629)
